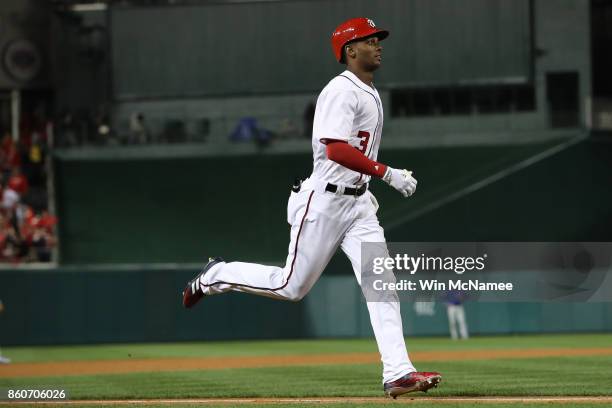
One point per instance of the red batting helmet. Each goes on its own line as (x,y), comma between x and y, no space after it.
(354,29)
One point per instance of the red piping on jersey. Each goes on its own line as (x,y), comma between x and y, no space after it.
(351,158)
(295,250)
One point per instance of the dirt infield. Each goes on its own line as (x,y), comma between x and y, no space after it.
(134,365)
(335,400)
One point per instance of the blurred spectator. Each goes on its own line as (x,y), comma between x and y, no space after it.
(10,199)
(18,182)
(248,129)
(11,246)
(104,134)
(35,153)
(9,154)
(39,236)
(287,129)
(27,230)
(263,138)
(139,133)
(66,130)
(245,130)
(26,236)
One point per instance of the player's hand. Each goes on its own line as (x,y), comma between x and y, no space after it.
(401,180)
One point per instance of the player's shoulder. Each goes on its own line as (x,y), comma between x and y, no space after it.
(340,84)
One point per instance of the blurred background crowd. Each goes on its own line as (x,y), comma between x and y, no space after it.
(27,229)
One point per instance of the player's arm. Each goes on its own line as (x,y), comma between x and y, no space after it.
(351,158)
(348,156)
(334,116)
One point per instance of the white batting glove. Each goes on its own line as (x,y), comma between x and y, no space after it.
(401,180)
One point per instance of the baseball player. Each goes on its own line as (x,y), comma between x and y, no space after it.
(333,207)
(456,314)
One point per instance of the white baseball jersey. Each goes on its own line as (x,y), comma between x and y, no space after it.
(351,111)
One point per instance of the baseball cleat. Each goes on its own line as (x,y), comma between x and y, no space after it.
(417,381)
(193,292)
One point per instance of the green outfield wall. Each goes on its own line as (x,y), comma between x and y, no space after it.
(143,304)
(143,208)
(119,211)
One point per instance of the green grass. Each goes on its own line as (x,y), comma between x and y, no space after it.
(265,348)
(551,376)
(547,376)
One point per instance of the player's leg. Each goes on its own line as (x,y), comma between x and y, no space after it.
(385,316)
(463,331)
(452,320)
(314,238)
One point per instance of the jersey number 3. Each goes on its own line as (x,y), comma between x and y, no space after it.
(363,143)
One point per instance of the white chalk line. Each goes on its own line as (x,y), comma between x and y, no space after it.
(330,400)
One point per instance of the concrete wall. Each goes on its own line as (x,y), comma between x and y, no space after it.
(284,46)
(81,60)
(561,30)
(26,20)
(563,34)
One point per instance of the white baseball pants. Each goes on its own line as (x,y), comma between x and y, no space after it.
(321,222)
(456,319)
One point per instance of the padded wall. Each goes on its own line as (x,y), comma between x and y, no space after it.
(147,209)
(111,304)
